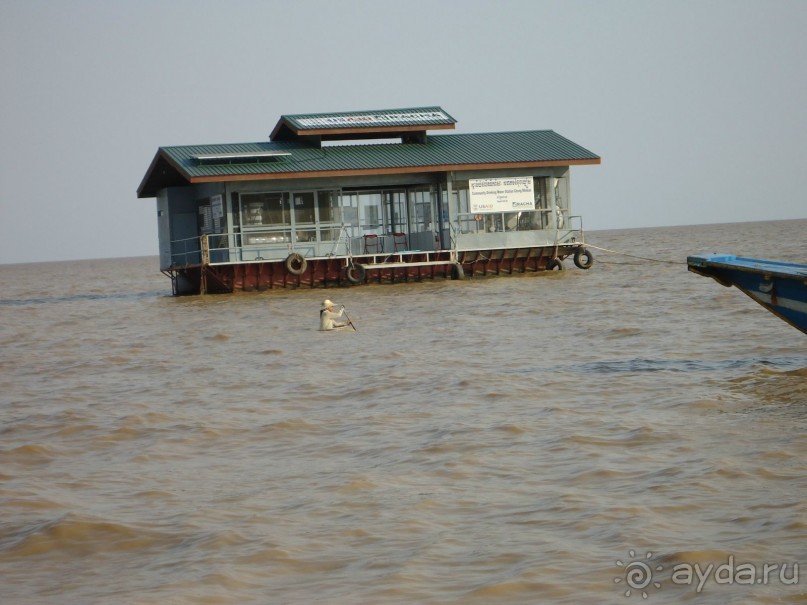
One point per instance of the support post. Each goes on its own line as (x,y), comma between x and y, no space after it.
(204,244)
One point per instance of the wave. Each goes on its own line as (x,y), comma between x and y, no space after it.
(292,426)
(77,535)
(49,300)
(73,534)
(784,389)
(691,365)
(638,436)
(30,454)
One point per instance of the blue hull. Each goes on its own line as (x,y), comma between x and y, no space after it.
(779,287)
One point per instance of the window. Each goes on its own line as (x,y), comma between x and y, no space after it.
(559,203)
(540,219)
(460,208)
(328,207)
(420,210)
(304,208)
(371,212)
(396,203)
(262,209)
(349,204)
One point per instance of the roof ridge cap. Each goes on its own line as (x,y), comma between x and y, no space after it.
(461,134)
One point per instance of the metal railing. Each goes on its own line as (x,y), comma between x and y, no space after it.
(186,252)
(277,243)
(543,219)
(558,228)
(574,233)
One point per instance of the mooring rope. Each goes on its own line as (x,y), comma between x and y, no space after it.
(655,260)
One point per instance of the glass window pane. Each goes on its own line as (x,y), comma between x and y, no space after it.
(304,207)
(328,207)
(330,235)
(421,210)
(349,203)
(306,235)
(398,204)
(371,211)
(263,209)
(255,238)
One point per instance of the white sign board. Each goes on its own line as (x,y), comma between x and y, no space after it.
(376,119)
(216,206)
(511,194)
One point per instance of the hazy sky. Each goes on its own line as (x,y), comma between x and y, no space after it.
(697,108)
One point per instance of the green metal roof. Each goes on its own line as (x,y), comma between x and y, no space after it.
(174,166)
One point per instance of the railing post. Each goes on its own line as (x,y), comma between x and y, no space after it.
(205,247)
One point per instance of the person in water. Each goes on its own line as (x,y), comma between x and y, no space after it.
(327,316)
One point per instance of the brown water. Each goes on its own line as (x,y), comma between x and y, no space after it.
(506,440)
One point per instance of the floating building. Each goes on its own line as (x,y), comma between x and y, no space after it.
(337,199)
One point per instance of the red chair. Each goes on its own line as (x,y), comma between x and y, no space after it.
(398,242)
(372,245)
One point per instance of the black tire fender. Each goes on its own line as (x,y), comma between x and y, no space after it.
(554,264)
(457,272)
(296,263)
(355,273)
(580,254)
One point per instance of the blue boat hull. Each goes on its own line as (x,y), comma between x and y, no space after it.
(779,287)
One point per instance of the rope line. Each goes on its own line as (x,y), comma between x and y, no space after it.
(655,260)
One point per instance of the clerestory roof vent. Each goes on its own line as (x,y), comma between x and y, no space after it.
(409,124)
(250,157)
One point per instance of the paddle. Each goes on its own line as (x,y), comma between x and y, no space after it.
(348,319)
